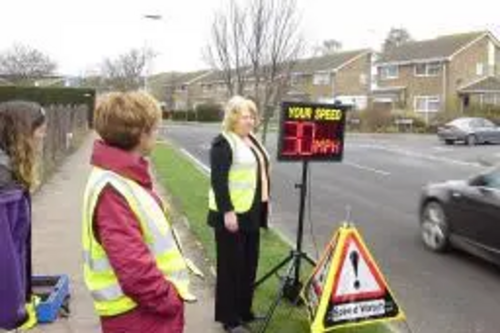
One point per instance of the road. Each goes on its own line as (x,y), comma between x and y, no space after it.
(379,183)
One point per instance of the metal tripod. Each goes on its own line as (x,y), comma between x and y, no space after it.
(290,284)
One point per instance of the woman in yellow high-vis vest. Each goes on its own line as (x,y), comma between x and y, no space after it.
(133,265)
(238,208)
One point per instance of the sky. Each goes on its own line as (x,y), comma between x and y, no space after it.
(79,34)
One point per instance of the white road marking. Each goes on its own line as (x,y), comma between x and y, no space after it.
(199,163)
(367,168)
(406,152)
(442,149)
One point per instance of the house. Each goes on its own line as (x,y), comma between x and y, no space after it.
(177,90)
(211,88)
(185,91)
(343,76)
(447,73)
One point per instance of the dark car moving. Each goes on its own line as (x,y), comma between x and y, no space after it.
(470,131)
(463,213)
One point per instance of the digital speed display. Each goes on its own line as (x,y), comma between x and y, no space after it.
(312,132)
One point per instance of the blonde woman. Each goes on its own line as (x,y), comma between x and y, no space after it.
(238,208)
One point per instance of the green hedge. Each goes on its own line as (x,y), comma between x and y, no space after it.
(183,115)
(51,96)
(202,113)
(209,112)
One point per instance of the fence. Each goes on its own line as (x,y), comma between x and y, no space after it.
(67,125)
(69,116)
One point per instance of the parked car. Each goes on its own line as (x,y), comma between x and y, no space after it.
(471,131)
(464,214)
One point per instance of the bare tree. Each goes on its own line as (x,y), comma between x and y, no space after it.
(226,52)
(95,82)
(23,64)
(168,90)
(396,37)
(283,46)
(256,45)
(127,71)
(329,46)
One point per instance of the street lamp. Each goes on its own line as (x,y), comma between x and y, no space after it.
(147,65)
(153,17)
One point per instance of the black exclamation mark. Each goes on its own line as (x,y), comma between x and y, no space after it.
(354,256)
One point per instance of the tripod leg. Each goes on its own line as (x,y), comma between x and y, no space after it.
(276,302)
(274,270)
(308,259)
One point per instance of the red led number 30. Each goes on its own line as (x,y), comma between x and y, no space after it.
(298,138)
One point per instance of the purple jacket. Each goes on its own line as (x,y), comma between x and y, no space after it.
(15,256)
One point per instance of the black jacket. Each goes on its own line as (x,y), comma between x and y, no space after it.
(220,162)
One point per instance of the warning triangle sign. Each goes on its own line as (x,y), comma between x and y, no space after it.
(318,280)
(347,288)
(357,278)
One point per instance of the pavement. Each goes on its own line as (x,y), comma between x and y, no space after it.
(57,249)
(377,186)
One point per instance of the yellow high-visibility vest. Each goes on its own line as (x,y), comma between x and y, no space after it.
(159,236)
(242,175)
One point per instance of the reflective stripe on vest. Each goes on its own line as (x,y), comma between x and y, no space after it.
(100,278)
(242,180)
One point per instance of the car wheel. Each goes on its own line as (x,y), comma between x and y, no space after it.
(449,142)
(434,227)
(471,140)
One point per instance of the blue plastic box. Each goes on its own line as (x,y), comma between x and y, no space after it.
(54,293)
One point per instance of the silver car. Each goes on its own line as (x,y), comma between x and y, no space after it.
(470,131)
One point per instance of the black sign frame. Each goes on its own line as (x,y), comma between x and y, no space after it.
(318,111)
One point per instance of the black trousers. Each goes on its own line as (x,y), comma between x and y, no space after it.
(237,261)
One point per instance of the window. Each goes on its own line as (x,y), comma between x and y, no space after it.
(180,105)
(321,79)
(363,79)
(221,88)
(479,69)
(389,72)
(491,54)
(497,61)
(325,99)
(489,98)
(181,88)
(427,103)
(490,179)
(487,123)
(428,69)
(207,88)
(295,79)
(475,123)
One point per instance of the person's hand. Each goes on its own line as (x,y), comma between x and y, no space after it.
(175,303)
(231,221)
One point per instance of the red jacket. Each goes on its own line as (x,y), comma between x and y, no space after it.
(160,310)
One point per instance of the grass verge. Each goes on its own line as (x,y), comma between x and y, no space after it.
(188,187)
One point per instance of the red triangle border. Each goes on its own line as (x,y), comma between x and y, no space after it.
(352,237)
